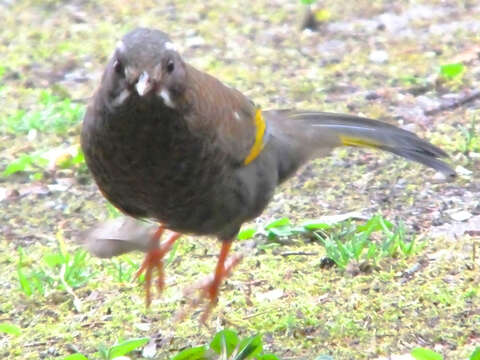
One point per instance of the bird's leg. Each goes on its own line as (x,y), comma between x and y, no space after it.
(209,287)
(222,271)
(154,259)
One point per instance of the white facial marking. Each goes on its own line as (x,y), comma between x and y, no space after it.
(170,46)
(235,114)
(120,99)
(130,74)
(121,46)
(142,84)
(167,100)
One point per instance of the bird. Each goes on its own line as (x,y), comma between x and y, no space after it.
(174,145)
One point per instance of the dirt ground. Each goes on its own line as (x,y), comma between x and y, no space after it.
(380,59)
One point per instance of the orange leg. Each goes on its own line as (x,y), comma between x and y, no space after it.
(209,287)
(221,272)
(154,259)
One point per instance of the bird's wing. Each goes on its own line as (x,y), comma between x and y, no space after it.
(226,117)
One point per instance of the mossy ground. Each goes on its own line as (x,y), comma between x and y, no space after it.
(62,46)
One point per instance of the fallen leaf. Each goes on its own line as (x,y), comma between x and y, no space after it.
(334,219)
(33,189)
(7,194)
(150,349)
(461,215)
(270,295)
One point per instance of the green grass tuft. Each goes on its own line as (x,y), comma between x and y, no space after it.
(51,115)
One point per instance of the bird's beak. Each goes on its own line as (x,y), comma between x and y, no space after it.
(144,85)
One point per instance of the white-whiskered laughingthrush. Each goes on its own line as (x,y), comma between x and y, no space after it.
(167,142)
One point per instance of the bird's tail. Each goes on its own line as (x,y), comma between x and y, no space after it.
(315,133)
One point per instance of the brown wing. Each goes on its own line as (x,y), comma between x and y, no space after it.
(222,114)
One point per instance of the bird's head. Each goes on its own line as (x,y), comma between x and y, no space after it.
(145,64)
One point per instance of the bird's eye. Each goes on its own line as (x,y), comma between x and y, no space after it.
(170,66)
(118,67)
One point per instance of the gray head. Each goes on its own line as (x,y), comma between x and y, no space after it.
(145,63)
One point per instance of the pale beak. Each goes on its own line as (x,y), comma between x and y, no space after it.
(144,84)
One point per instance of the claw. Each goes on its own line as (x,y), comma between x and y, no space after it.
(208,288)
(154,260)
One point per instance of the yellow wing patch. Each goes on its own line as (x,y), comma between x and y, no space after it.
(257,146)
(353,141)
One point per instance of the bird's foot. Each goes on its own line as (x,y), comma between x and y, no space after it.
(208,288)
(154,260)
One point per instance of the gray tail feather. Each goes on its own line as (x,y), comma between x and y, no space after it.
(424,156)
(328,130)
